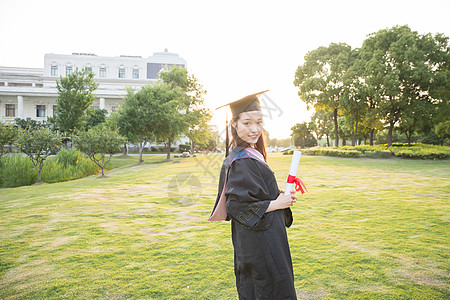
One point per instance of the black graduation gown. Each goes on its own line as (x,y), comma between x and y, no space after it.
(262,260)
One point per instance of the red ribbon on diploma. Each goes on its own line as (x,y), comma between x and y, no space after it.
(299,185)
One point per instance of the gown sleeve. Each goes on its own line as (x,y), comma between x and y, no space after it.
(248,193)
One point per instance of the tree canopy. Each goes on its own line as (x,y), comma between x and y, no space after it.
(75,96)
(398,78)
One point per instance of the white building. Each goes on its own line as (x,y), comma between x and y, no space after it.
(31,92)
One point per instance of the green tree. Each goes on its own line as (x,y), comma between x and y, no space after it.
(324,125)
(441,113)
(355,101)
(301,133)
(403,67)
(204,137)
(145,113)
(38,145)
(95,117)
(96,143)
(188,113)
(112,123)
(75,95)
(8,135)
(320,79)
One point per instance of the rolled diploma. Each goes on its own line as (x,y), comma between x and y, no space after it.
(293,170)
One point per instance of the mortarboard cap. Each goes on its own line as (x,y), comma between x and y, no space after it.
(248,103)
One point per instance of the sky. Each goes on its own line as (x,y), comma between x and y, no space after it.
(234,48)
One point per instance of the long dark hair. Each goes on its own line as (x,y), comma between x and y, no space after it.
(236,141)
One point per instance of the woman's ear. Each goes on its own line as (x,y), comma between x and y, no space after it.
(233,124)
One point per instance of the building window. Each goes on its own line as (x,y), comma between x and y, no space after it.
(54,110)
(102,72)
(10,110)
(89,69)
(40,111)
(54,71)
(121,73)
(68,70)
(136,73)
(113,108)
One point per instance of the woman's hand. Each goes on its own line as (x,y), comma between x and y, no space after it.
(282,201)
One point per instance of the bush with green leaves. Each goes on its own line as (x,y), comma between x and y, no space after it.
(332,152)
(96,143)
(18,170)
(421,151)
(68,164)
(415,151)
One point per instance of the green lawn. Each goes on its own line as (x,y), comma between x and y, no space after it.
(367,229)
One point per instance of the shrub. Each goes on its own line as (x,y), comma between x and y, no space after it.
(415,151)
(421,152)
(16,170)
(378,154)
(68,164)
(332,152)
(68,157)
(184,148)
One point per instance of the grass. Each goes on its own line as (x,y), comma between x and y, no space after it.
(367,229)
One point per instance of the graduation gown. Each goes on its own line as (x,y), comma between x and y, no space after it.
(262,260)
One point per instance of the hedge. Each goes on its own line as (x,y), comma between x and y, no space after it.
(415,151)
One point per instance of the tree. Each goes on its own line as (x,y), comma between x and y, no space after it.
(75,95)
(204,137)
(441,113)
(38,145)
(403,67)
(188,113)
(354,103)
(301,132)
(323,121)
(96,143)
(112,123)
(320,79)
(95,117)
(8,135)
(145,113)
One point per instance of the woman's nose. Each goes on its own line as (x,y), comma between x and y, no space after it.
(254,128)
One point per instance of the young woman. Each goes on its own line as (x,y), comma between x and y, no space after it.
(259,212)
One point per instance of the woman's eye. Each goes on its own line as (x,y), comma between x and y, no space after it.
(247,123)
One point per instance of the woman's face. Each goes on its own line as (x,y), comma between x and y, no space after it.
(249,126)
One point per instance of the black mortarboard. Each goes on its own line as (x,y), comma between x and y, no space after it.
(248,103)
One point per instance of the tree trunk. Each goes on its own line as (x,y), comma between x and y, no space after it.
(328,141)
(391,128)
(344,141)
(39,173)
(355,132)
(336,138)
(170,145)
(409,136)
(125,149)
(371,136)
(103,165)
(141,149)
